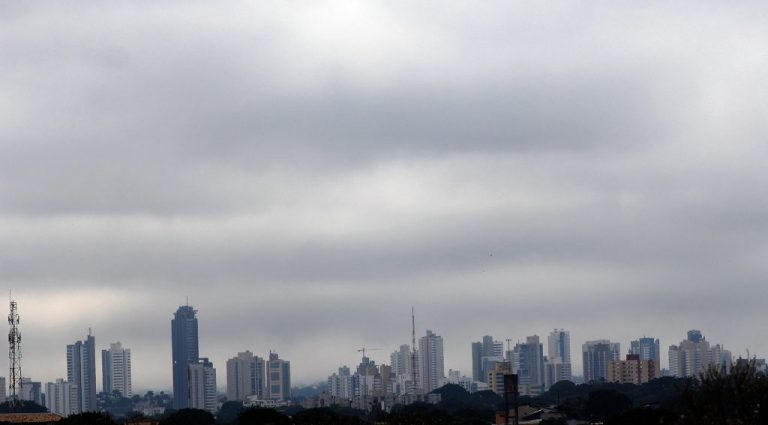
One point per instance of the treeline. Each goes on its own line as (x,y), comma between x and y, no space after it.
(717,397)
(738,396)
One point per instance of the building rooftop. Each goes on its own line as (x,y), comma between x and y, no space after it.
(29,418)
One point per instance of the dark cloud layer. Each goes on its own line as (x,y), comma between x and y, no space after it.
(305,174)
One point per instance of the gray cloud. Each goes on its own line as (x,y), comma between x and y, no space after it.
(305,174)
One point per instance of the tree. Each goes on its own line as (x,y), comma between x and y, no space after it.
(229,412)
(189,417)
(317,416)
(262,417)
(25,406)
(642,416)
(605,403)
(720,397)
(135,417)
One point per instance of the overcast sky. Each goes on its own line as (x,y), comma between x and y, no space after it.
(305,172)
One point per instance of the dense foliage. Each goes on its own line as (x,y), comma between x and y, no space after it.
(739,396)
(736,396)
(23,406)
(189,417)
(262,417)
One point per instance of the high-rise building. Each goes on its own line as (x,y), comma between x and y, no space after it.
(694,335)
(81,372)
(278,378)
(431,361)
(387,379)
(559,346)
(116,370)
(32,391)
(185,351)
(495,377)
(647,349)
(202,385)
(245,376)
(3,395)
(694,355)
(485,355)
(558,362)
(528,362)
(477,367)
(61,397)
(597,357)
(340,385)
(718,356)
(401,361)
(555,372)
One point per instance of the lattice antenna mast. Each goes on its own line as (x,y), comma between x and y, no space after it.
(414,373)
(14,355)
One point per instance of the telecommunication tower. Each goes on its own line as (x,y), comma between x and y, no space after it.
(14,355)
(414,372)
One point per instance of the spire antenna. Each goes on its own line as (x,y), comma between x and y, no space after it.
(414,372)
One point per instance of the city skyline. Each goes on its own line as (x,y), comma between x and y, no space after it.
(189,322)
(306,173)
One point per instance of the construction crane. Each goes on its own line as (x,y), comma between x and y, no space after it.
(363,350)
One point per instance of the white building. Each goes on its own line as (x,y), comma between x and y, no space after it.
(401,361)
(559,346)
(116,370)
(694,355)
(340,385)
(253,401)
(202,385)
(455,377)
(558,364)
(431,361)
(278,378)
(32,391)
(61,398)
(245,376)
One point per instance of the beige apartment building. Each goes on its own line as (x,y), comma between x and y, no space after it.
(632,370)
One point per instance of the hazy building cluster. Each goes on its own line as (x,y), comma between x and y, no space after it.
(414,372)
(258,382)
(77,393)
(250,378)
(411,375)
(694,355)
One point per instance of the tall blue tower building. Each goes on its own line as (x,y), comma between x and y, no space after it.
(185,350)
